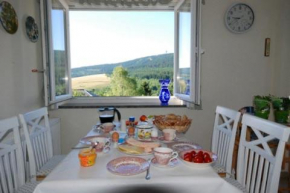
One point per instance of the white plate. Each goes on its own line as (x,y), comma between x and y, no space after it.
(173,163)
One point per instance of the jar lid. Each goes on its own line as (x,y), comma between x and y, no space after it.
(87,152)
(144,126)
(132,119)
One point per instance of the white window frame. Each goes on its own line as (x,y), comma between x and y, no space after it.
(193,98)
(195,55)
(48,54)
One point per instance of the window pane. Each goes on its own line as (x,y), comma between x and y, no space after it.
(183,75)
(59,49)
(121,53)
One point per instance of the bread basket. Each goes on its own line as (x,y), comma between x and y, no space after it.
(171,121)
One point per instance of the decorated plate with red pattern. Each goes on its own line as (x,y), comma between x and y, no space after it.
(127,166)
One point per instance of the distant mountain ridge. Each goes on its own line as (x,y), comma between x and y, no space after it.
(158,66)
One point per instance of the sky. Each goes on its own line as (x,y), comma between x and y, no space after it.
(103,37)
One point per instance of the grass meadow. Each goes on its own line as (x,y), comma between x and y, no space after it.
(90,82)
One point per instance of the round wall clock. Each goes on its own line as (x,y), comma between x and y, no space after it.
(8,17)
(239,18)
(31,29)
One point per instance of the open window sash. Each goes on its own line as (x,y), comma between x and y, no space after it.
(56,52)
(187,51)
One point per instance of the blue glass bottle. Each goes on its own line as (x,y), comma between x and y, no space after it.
(164,95)
(187,90)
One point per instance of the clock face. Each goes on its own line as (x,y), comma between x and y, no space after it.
(239,18)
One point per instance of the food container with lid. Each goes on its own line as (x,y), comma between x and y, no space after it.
(87,157)
(144,131)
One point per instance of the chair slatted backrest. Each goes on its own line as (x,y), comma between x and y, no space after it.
(224,133)
(11,157)
(259,165)
(38,138)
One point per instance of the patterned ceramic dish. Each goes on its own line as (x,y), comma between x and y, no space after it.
(198,165)
(161,138)
(31,29)
(8,17)
(127,166)
(173,163)
(183,146)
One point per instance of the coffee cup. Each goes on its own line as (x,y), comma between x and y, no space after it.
(169,134)
(102,144)
(164,155)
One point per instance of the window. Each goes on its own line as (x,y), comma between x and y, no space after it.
(56,52)
(185,73)
(187,51)
(121,53)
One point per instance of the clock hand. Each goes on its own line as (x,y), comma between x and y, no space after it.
(236,17)
(235,21)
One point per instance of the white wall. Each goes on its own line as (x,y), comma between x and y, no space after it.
(234,69)
(283,66)
(21,90)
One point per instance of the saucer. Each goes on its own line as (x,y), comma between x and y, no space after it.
(173,163)
(161,138)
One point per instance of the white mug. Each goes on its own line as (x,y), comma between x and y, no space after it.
(164,155)
(169,134)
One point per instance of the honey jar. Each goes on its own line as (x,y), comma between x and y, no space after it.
(87,157)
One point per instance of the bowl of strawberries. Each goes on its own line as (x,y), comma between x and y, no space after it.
(198,158)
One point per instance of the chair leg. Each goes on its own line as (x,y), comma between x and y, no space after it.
(222,175)
(40,178)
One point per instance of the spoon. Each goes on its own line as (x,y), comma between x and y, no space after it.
(148,176)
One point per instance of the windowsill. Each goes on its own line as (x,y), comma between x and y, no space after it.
(119,102)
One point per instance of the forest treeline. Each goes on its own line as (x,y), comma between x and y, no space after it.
(150,67)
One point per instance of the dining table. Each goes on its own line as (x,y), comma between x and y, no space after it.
(70,177)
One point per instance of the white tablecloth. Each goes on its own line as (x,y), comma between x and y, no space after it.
(70,177)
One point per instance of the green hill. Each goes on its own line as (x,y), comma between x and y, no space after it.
(157,67)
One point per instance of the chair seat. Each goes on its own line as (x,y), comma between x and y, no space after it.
(219,168)
(27,187)
(50,165)
(236,184)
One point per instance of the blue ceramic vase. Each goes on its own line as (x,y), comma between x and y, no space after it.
(164,95)
(187,91)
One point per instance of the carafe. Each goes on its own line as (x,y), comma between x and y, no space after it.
(107,114)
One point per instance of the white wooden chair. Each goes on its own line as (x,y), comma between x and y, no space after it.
(259,166)
(39,143)
(223,139)
(12,173)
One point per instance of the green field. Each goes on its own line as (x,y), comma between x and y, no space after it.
(90,82)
